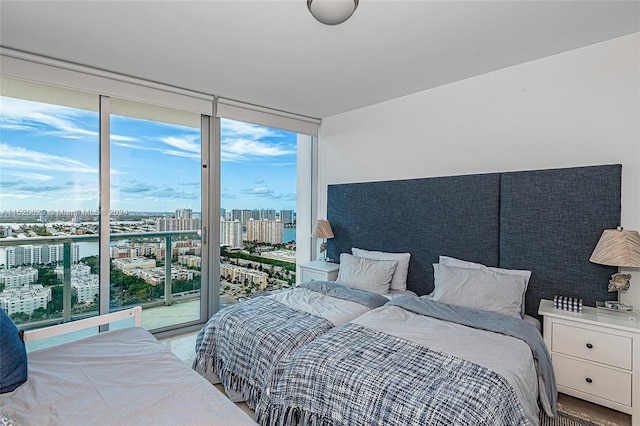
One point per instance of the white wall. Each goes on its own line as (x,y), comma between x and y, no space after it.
(573,109)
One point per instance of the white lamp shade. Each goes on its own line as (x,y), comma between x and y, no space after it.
(322,229)
(617,247)
(332,12)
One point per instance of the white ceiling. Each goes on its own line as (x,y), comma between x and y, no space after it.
(274,54)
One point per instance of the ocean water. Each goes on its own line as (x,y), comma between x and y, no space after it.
(91,249)
(288,234)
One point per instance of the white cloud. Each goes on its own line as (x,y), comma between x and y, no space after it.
(183,143)
(122,138)
(32,176)
(237,129)
(262,191)
(46,119)
(16,157)
(180,153)
(186,147)
(243,149)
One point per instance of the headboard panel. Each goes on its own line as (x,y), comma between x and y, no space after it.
(550,222)
(545,221)
(456,216)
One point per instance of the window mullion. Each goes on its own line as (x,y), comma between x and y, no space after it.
(105,204)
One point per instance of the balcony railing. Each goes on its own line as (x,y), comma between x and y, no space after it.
(66,242)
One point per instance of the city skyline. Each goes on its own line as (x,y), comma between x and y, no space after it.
(49,160)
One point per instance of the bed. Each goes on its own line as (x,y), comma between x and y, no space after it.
(122,376)
(399,364)
(239,345)
(416,361)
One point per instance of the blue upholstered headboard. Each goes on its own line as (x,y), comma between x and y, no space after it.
(545,221)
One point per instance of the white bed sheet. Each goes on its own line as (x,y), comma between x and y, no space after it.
(121,377)
(507,356)
(337,311)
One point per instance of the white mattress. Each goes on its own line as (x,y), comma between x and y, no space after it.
(122,377)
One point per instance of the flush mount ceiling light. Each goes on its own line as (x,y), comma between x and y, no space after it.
(332,12)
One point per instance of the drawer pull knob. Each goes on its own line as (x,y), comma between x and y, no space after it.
(589,345)
(588,379)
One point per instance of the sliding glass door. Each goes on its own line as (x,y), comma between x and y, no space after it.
(258,210)
(156,220)
(178,203)
(49,192)
(69,183)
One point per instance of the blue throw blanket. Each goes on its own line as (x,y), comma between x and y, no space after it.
(242,342)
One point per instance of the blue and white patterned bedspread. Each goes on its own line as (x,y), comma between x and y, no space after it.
(355,375)
(242,343)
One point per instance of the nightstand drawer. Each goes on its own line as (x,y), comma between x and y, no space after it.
(592,345)
(593,379)
(309,275)
(319,271)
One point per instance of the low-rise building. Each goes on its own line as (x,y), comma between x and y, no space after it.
(25,299)
(240,274)
(18,277)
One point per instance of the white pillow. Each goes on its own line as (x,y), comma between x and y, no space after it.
(366,274)
(399,280)
(452,261)
(479,288)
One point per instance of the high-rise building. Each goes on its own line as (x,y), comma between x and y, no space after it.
(265,231)
(35,255)
(236,214)
(181,224)
(243,215)
(267,214)
(10,257)
(184,213)
(231,233)
(183,221)
(286,217)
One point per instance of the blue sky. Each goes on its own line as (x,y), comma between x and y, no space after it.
(49,160)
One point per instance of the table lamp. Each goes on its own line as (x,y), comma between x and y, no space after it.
(620,248)
(322,230)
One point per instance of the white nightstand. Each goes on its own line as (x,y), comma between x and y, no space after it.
(596,355)
(318,271)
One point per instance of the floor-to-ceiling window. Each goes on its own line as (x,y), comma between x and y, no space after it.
(116,192)
(258,209)
(266,197)
(49,191)
(156,221)
(67,182)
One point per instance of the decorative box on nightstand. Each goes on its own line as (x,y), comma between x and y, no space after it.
(318,271)
(596,355)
